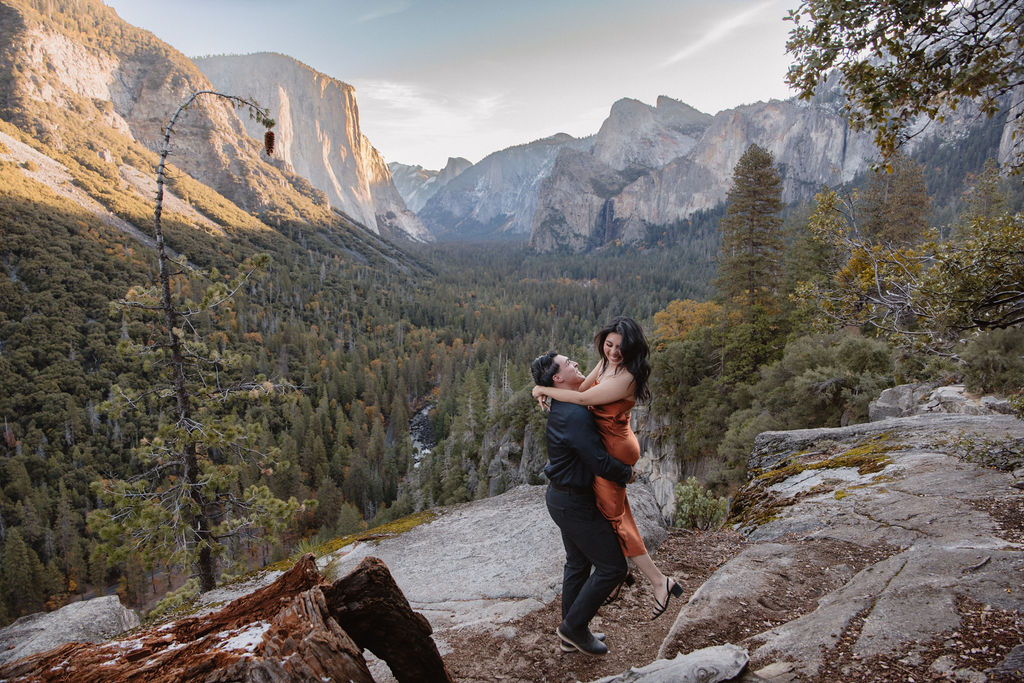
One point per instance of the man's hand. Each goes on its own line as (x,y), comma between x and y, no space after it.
(538,391)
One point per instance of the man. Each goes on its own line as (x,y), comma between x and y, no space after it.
(575,455)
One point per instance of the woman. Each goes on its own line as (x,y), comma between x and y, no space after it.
(611,389)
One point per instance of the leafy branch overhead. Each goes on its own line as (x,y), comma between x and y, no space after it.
(905,59)
(927,295)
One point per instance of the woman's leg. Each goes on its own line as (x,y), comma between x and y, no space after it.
(664,588)
(658,580)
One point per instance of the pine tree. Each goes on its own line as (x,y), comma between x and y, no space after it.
(984,198)
(894,207)
(750,258)
(22,575)
(187,503)
(66,532)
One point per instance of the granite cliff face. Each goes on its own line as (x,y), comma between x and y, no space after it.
(653,166)
(318,136)
(417,184)
(496,197)
(105,73)
(638,136)
(1011,144)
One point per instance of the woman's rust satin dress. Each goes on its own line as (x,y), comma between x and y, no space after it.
(619,440)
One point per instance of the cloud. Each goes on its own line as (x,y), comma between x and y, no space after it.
(384,9)
(412,117)
(721,31)
(410,97)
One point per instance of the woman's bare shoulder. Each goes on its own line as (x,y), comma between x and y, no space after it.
(619,374)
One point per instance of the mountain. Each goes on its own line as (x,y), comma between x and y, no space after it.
(318,136)
(83,78)
(417,184)
(652,168)
(646,173)
(496,197)
(638,136)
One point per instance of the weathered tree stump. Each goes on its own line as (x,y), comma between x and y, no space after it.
(371,607)
(295,629)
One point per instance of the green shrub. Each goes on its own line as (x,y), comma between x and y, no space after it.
(744,426)
(820,381)
(176,599)
(995,361)
(698,508)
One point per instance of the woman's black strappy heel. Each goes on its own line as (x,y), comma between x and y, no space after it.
(674,589)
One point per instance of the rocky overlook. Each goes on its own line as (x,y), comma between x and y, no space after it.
(881,551)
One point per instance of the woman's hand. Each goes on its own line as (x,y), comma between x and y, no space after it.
(538,393)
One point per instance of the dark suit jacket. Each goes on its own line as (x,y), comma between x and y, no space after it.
(575,452)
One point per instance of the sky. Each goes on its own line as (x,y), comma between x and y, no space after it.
(464,78)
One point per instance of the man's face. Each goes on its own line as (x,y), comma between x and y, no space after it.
(568,375)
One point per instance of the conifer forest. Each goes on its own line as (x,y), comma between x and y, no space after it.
(337,381)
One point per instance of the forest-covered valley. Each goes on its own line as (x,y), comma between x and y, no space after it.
(307,374)
(366,335)
(359,335)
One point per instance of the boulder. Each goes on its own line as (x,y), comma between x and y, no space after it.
(919,399)
(708,665)
(866,541)
(898,401)
(88,621)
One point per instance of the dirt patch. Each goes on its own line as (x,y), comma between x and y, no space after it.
(985,638)
(1008,514)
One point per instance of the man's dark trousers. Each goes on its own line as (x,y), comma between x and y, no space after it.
(589,542)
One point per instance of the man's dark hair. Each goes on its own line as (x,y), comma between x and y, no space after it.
(544,369)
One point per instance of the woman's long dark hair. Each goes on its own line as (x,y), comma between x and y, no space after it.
(634,351)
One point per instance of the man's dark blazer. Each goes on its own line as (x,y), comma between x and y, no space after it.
(575,451)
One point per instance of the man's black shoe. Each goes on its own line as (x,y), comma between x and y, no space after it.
(566,647)
(585,642)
